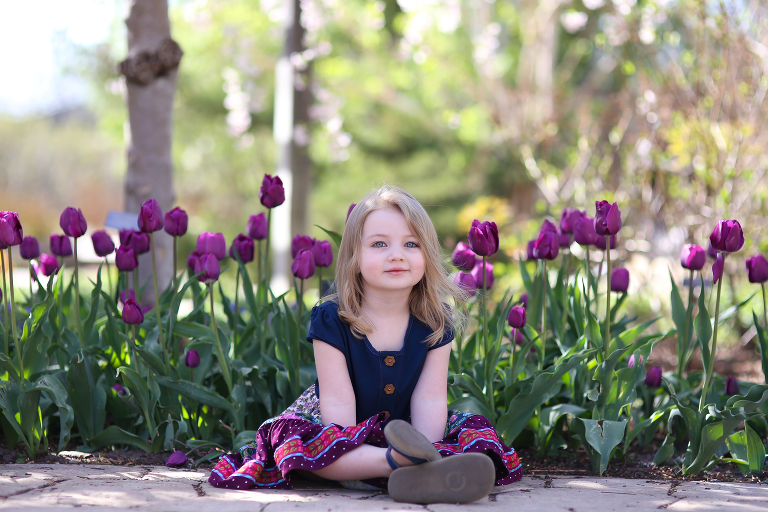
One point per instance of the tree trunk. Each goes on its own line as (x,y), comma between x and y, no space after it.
(150,71)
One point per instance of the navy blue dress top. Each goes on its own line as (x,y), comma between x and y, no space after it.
(383,381)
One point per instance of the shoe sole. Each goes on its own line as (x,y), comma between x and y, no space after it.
(459,478)
(403,438)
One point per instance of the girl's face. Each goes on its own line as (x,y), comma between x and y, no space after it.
(390,257)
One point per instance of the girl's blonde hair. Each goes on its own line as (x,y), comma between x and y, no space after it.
(430,297)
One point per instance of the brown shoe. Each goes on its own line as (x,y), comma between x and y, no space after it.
(456,479)
(409,442)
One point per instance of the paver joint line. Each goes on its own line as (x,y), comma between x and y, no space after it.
(24,491)
(667,505)
(198,487)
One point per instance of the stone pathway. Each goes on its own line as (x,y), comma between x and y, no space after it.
(38,487)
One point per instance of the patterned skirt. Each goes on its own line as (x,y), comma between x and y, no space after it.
(297,439)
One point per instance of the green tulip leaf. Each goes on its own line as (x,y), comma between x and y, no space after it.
(113,435)
(602,436)
(56,392)
(665,451)
(336,237)
(470,404)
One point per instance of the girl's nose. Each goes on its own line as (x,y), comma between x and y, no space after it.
(396,254)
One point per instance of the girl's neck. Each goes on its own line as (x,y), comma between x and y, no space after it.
(385,305)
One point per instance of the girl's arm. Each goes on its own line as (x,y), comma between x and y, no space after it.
(429,402)
(337,397)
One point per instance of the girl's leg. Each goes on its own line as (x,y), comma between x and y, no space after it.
(362,463)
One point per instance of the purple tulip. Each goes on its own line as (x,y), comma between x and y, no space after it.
(529,250)
(29,248)
(125,259)
(717,268)
(463,258)
(711,251)
(192,260)
(120,390)
(600,243)
(466,282)
(585,234)
(633,361)
(523,300)
(257,226)
(303,265)
(272,193)
(49,265)
(243,245)
(127,294)
(548,227)
(607,218)
(11,232)
(483,238)
(72,222)
(136,240)
(517,335)
(132,313)
(757,269)
(102,243)
(150,216)
(727,236)
(60,245)
(693,257)
(619,280)
(731,386)
(208,264)
(193,359)
(322,253)
(516,318)
(547,246)
(177,458)
(176,221)
(477,273)
(301,242)
(212,243)
(351,207)
(653,377)
(564,239)
(568,220)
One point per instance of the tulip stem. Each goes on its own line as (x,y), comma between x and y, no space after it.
(109,274)
(157,307)
(135,274)
(237,309)
(266,251)
(295,354)
(135,358)
(711,366)
(486,343)
(765,314)
(513,349)
(543,336)
(607,340)
(589,280)
(220,353)
(175,276)
(682,359)
(16,341)
(31,276)
(77,301)
(5,307)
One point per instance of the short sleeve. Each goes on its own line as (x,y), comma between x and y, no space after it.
(447,338)
(325,325)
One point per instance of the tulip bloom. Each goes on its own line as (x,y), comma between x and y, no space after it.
(529,250)
(568,220)
(11,232)
(322,253)
(72,222)
(303,265)
(272,193)
(125,259)
(731,386)
(585,234)
(136,240)
(717,268)
(463,258)
(102,243)
(120,390)
(693,257)
(711,251)
(757,269)
(177,458)
(564,240)
(477,273)
(727,236)
(523,300)
(301,242)
(518,336)
(193,359)
(60,245)
(192,260)
(208,264)
(49,265)
(516,318)
(132,313)
(127,294)
(150,216)
(633,361)
(619,280)
(466,282)
(607,218)
(176,221)
(212,243)
(653,377)
(547,245)
(243,246)
(483,238)
(257,226)
(600,242)
(29,248)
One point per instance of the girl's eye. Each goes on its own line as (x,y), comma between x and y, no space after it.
(411,245)
(378,244)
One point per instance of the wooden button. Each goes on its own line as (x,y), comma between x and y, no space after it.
(389,389)
(389,360)
(386,413)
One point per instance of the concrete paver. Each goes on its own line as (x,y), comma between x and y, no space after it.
(38,487)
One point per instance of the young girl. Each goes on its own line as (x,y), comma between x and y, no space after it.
(377,415)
